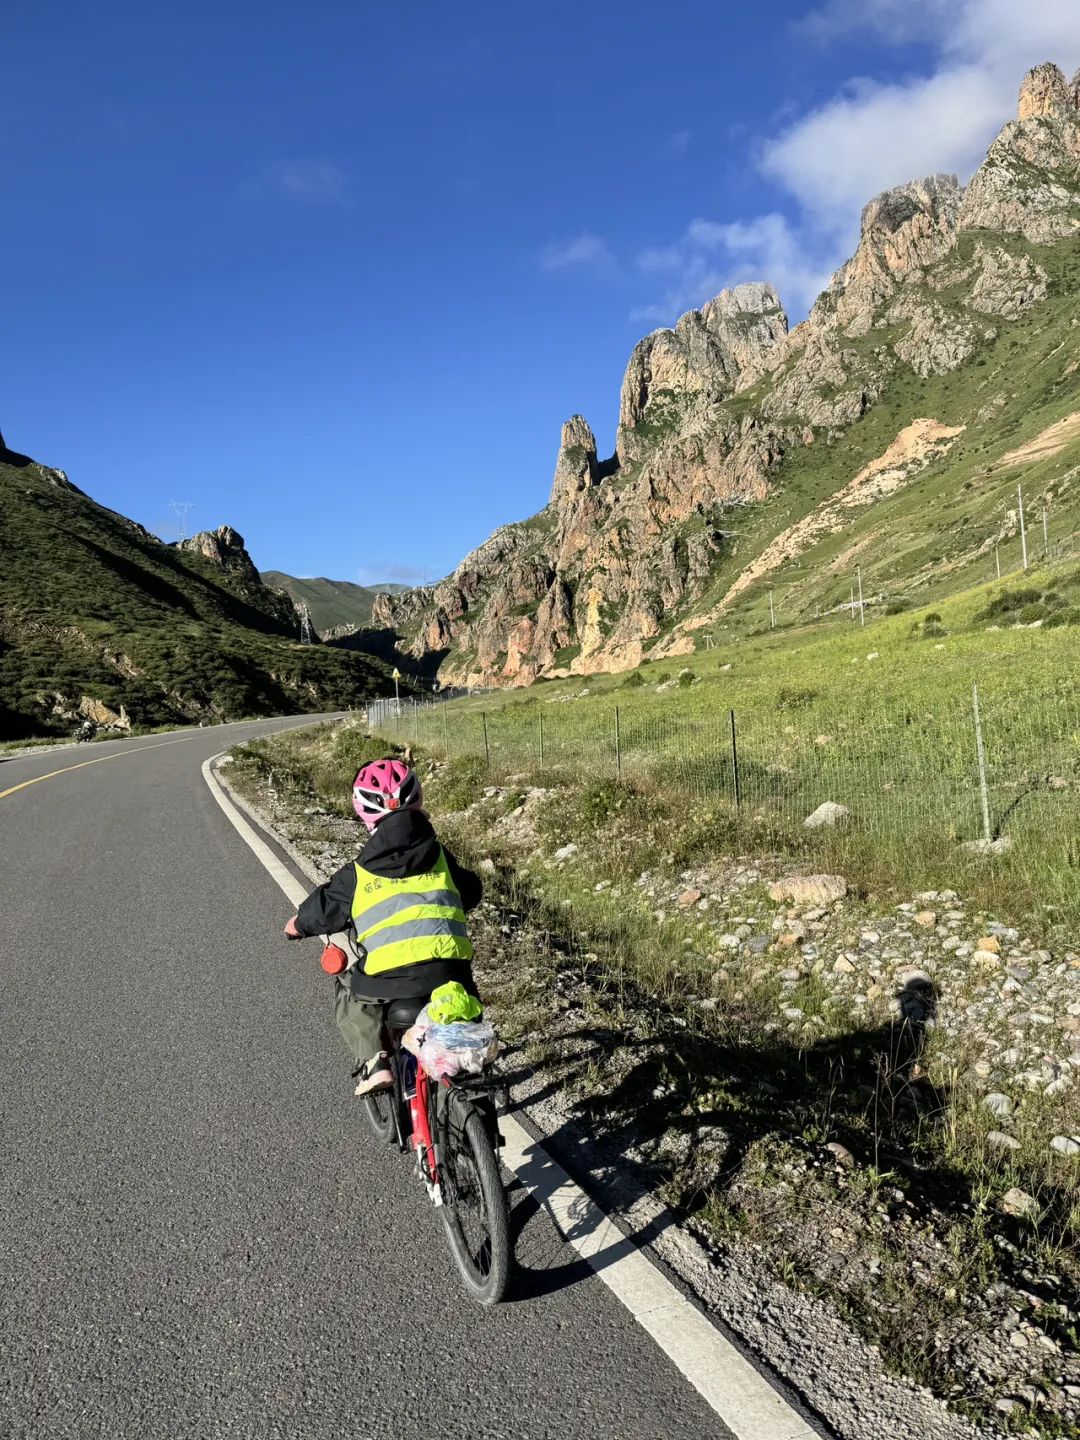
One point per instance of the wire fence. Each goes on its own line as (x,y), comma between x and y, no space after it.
(991,773)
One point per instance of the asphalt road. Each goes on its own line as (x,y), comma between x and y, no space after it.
(198,1237)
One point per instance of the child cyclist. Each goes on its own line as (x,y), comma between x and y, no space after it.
(404,900)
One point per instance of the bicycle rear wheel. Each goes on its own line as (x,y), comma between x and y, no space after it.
(379,1110)
(475,1212)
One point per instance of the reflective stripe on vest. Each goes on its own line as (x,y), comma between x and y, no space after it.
(409,921)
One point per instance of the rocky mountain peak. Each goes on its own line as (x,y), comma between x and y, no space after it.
(1045,91)
(225,547)
(711,352)
(576,467)
(1028,184)
(903,232)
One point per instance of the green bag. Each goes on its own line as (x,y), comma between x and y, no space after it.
(452,1002)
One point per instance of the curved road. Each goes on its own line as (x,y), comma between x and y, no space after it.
(197,1238)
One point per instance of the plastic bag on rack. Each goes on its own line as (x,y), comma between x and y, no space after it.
(463,1048)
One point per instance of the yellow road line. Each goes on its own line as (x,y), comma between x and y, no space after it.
(100,760)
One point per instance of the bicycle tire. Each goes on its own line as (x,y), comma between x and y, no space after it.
(379,1110)
(486,1273)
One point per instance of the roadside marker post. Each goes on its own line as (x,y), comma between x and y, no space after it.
(980,753)
(735,763)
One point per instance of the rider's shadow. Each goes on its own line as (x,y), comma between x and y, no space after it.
(714,1096)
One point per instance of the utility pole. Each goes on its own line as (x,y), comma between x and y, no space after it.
(180,509)
(1023,531)
(997,561)
(772,612)
(305,623)
(1046,536)
(862,611)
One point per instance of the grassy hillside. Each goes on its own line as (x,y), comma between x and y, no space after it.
(332,603)
(936,534)
(94,609)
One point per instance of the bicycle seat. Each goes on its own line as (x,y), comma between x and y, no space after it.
(400,1014)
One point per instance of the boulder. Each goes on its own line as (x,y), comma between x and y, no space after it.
(827,814)
(807,890)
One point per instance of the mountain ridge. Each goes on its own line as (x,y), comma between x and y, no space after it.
(101,620)
(722,412)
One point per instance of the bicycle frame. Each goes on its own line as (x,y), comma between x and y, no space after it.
(417,1095)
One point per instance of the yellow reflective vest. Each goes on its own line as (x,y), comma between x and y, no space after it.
(406,922)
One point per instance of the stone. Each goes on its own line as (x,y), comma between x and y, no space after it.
(843,966)
(689,897)
(828,813)
(841,1154)
(998,1140)
(926,918)
(1019,1202)
(988,959)
(566,851)
(1001,846)
(809,890)
(998,1104)
(1066,1144)
(989,942)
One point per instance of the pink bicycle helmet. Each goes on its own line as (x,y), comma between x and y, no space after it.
(384,787)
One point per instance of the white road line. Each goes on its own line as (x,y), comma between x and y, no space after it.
(742,1398)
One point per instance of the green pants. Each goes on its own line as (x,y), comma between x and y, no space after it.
(360,1024)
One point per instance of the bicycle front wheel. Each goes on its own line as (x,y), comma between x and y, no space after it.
(475,1212)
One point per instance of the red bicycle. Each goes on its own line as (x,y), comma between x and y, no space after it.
(451,1126)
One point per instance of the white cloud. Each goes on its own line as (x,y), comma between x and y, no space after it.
(870,136)
(310,180)
(585,251)
(711,256)
(875,135)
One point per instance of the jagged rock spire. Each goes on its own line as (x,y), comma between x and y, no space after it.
(576,467)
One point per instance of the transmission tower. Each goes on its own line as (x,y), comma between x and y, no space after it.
(180,509)
(305,623)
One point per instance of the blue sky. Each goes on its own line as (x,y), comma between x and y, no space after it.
(335,274)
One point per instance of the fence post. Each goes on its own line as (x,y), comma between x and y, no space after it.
(735,762)
(487,747)
(1023,531)
(445,730)
(984,796)
(772,613)
(540,718)
(997,561)
(618,746)
(862,612)
(416,722)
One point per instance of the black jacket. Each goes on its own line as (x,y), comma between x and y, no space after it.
(402,845)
